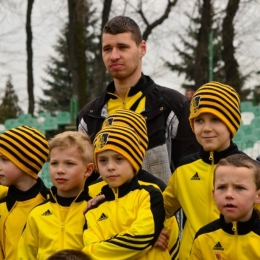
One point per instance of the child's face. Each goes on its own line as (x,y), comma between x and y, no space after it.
(114,168)
(68,171)
(235,192)
(10,174)
(211,132)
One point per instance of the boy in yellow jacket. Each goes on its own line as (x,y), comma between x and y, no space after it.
(23,151)
(59,222)
(127,223)
(236,233)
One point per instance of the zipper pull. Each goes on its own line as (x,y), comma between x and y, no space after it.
(211,156)
(234,228)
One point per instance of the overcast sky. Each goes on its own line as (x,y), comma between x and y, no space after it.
(49,17)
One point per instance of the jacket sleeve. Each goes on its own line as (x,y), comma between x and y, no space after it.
(170,198)
(133,242)
(196,253)
(28,243)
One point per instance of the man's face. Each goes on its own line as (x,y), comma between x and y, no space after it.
(121,55)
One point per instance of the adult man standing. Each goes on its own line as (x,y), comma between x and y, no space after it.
(166,110)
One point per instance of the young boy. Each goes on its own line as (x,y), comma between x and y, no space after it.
(130,118)
(236,234)
(127,223)
(23,151)
(58,223)
(214,118)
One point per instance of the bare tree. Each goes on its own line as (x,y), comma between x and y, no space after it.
(30,83)
(99,70)
(231,66)
(76,46)
(201,52)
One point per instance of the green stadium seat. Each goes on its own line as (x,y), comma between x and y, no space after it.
(247,129)
(11,122)
(256,122)
(50,124)
(24,117)
(45,175)
(246,106)
(239,135)
(249,141)
(63,118)
(256,110)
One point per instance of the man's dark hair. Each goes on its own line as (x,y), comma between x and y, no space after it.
(123,24)
(69,254)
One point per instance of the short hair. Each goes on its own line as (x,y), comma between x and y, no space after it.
(241,160)
(69,254)
(80,140)
(123,24)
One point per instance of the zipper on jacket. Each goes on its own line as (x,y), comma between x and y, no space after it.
(234,228)
(210,208)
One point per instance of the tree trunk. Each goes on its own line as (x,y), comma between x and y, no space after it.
(99,69)
(76,46)
(231,67)
(30,84)
(201,75)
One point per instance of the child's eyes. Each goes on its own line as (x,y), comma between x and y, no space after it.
(239,188)
(221,187)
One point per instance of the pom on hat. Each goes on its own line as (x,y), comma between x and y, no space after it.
(26,147)
(130,118)
(121,139)
(220,100)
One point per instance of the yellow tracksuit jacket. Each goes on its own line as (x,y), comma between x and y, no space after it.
(126,224)
(171,224)
(190,188)
(234,241)
(47,232)
(14,210)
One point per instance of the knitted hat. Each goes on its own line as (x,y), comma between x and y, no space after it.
(26,147)
(220,100)
(121,139)
(130,118)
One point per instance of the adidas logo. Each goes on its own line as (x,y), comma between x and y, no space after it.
(47,213)
(218,246)
(195,177)
(102,217)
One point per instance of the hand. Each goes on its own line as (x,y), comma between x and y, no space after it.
(218,256)
(93,201)
(162,240)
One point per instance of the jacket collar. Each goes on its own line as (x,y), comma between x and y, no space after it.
(217,156)
(142,83)
(14,194)
(242,227)
(83,195)
(122,190)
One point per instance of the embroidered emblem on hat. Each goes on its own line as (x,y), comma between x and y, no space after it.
(109,121)
(102,140)
(195,103)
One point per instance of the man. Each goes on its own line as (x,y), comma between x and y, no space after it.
(166,110)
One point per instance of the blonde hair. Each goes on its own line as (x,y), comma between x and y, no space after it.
(68,138)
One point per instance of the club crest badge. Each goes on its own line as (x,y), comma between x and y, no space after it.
(101,140)
(195,103)
(109,121)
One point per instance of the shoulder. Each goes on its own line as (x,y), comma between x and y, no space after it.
(191,158)
(209,228)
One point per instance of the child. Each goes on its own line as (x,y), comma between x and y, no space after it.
(69,254)
(236,234)
(214,117)
(128,222)
(58,223)
(23,151)
(130,118)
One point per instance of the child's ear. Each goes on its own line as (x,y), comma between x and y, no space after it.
(89,169)
(257,200)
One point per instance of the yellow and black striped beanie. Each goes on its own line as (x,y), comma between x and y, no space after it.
(220,100)
(121,139)
(26,147)
(130,118)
